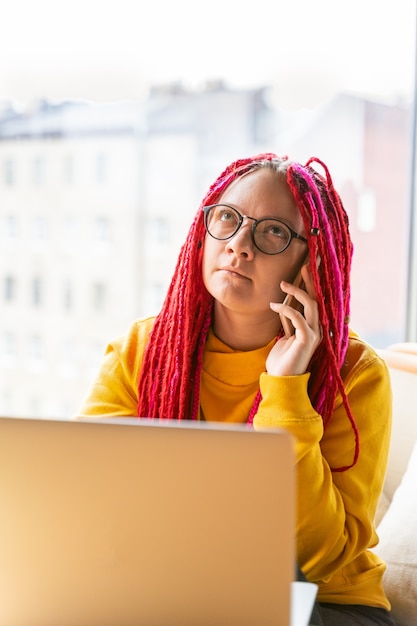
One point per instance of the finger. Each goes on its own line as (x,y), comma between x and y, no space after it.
(296,296)
(291,319)
(299,305)
(287,325)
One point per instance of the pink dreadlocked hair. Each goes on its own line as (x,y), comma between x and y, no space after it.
(171,369)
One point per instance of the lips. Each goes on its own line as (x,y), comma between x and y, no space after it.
(235,271)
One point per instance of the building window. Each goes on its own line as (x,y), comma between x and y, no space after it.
(70,231)
(68,296)
(9,288)
(10,227)
(68,366)
(6,402)
(94,357)
(10,172)
(37,289)
(101,168)
(36,356)
(156,297)
(99,296)
(39,170)
(69,169)
(366,221)
(158,231)
(102,230)
(39,228)
(8,353)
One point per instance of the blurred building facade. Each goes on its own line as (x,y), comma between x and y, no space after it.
(367,147)
(96,200)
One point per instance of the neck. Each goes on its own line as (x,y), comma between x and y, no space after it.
(244,332)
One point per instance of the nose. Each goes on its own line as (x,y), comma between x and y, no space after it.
(241,243)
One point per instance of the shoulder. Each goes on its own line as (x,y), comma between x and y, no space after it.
(130,346)
(139,329)
(362,360)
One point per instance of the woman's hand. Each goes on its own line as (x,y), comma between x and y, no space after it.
(291,355)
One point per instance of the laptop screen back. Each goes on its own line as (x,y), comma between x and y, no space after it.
(137,522)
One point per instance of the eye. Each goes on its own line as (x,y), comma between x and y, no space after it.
(274,229)
(224,214)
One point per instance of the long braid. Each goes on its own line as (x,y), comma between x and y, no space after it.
(169,384)
(199,364)
(170,364)
(331,280)
(166,380)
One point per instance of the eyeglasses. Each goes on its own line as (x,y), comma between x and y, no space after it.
(270,236)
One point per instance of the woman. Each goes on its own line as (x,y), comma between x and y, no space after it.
(218,351)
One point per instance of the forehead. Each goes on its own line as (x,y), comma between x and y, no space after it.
(262,193)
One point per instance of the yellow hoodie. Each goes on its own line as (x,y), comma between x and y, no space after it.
(335,510)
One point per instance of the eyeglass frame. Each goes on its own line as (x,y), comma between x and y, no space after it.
(293,233)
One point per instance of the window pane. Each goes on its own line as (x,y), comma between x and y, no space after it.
(37,288)
(9,172)
(105,158)
(9,288)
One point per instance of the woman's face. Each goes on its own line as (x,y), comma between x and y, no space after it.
(239,276)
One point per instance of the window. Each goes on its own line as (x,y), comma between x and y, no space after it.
(70,232)
(99,296)
(6,402)
(158,231)
(101,168)
(69,169)
(36,356)
(94,356)
(39,170)
(9,288)
(102,228)
(10,227)
(100,179)
(37,291)
(39,228)
(68,364)
(68,296)
(155,296)
(8,354)
(9,172)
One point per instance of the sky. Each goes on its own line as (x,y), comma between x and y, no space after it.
(306,50)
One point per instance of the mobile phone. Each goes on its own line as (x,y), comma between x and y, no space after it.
(290,300)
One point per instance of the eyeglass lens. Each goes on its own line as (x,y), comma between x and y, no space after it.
(270,235)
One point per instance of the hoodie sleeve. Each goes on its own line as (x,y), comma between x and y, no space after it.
(335,510)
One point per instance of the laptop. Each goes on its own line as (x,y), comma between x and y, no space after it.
(137,522)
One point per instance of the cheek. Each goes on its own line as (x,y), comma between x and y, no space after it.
(292,274)
(284,269)
(293,265)
(275,294)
